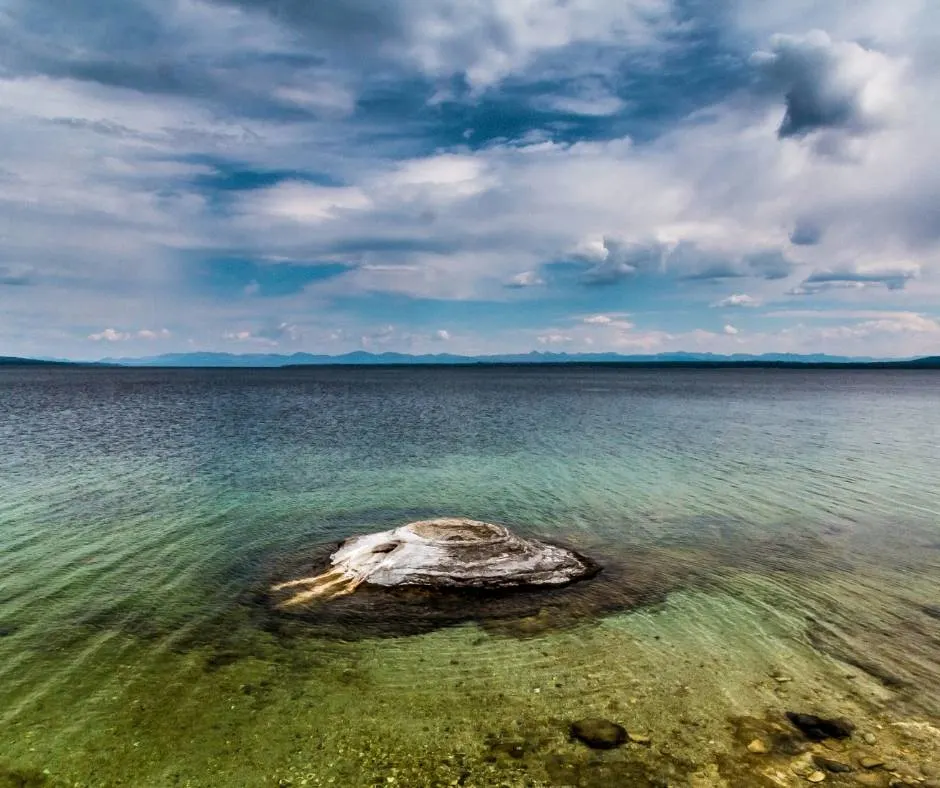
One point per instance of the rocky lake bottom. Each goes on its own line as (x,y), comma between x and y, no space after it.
(747,579)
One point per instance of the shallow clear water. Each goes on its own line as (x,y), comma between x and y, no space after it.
(788,521)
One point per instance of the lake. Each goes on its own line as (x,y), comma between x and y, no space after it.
(777,533)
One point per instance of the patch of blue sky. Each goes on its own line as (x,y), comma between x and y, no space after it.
(238,277)
(232,176)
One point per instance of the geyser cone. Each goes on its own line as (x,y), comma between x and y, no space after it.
(447,553)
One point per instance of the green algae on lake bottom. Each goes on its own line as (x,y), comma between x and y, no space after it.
(457,704)
(700,649)
(697,648)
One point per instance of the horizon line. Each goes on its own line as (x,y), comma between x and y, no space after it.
(540,358)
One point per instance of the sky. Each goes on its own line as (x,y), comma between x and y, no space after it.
(469,176)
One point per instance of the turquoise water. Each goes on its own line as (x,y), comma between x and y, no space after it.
(778,533)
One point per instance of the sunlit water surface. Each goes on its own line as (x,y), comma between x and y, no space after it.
(139,508)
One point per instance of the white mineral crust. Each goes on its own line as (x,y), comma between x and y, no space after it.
(449,552)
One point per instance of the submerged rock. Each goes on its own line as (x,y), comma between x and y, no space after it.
(599,733)
(757,747)
(931,610)
(819,728)
(829,765)
(446,553)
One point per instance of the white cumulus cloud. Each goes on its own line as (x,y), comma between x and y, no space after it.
(113,335)
(737,300)
(525,279)
(304,202)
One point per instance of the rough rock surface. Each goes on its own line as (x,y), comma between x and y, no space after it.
(819,728)
(446,553)
(599,733)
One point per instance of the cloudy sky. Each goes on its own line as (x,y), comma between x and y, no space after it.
(469,176)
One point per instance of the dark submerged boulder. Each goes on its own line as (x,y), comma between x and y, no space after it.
(819,728)
(599,733)
(829,765)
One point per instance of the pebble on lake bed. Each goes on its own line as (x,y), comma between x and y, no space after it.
(757,747)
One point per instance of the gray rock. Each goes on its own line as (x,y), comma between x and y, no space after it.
(829,765)
(448,552)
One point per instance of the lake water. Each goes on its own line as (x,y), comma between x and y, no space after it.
(778,532)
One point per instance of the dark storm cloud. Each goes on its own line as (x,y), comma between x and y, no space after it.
(890,278)
(826,84)
(232,62)
(701,264)
(617,261)
(122,43)
(771,264)
(806,233)
(893,279)
(361,22)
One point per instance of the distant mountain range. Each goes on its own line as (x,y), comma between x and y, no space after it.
(16,361)
(364,358)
